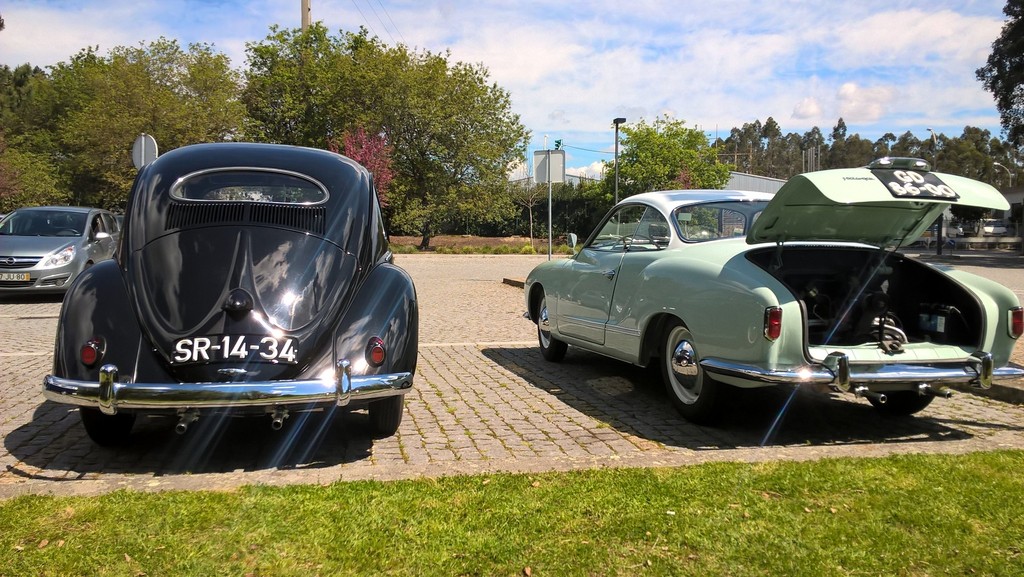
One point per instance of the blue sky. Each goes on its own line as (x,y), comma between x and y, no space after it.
(571,67)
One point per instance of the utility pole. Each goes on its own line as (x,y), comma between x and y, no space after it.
(305,14)
(935,166)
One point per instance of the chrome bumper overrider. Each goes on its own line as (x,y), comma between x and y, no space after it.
(110,395)
(836,371)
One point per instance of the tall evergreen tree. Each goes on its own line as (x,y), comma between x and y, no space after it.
(1003,73)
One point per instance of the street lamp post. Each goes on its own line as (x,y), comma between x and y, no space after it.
(1008,173)
(617,122)
(942,220)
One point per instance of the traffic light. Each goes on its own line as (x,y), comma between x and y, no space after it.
(558,144)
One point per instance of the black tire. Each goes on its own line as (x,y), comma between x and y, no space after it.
(551,348)
(107,430)
(902,403)
(695,395)
(386,415)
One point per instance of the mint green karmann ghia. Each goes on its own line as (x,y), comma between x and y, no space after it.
(740,289)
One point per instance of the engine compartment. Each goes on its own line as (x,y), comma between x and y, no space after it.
(853,296)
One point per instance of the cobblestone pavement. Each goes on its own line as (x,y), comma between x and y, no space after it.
(484,401)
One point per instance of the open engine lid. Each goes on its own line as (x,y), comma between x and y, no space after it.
(889,203)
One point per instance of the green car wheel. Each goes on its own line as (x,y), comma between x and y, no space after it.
(694,394)
(552,348)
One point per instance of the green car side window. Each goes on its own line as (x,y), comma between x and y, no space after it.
(709,222)
(618,229)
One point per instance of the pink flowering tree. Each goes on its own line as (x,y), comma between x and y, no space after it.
(373,152)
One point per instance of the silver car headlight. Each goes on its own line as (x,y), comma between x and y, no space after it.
(61,257)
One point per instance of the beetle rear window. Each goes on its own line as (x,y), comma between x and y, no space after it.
(249,186)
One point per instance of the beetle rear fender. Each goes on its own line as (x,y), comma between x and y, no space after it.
(96,305)
(385,307)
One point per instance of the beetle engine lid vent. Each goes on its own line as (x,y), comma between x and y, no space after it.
(189,215)
(304,218)
(308,218)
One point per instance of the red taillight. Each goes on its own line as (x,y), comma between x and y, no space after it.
(375,353)
(91,352)
(772,323)
(1016,324)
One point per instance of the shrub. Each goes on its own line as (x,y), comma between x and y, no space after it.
(404,249)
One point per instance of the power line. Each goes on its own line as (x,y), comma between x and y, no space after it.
(386,13)
(586,150)
(375,15)
(365,19)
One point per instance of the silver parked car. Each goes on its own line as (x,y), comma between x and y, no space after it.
(43,249)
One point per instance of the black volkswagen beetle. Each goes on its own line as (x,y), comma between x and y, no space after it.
(251,278)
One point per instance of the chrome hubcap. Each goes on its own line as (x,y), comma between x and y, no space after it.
(683,366)
(543,328)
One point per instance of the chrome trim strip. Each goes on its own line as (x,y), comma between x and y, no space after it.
(976,370)
(622,330)
(109,395)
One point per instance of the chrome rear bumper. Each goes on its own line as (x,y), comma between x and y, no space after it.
(836,371)
(109,395)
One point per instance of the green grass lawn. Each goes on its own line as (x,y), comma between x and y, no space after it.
(904,515)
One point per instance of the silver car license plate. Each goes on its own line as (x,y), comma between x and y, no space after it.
(15,276)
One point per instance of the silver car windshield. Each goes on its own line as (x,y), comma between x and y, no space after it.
(43,223)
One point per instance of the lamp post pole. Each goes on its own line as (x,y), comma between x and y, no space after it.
(617,122)
(935,165)
(1008,173)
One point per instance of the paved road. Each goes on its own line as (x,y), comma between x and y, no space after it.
(484,401)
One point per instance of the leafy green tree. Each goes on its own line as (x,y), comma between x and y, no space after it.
(665,155)
(96,106)
(27,179)
(300,88)
(1003,73)
(908,146)
(452,131)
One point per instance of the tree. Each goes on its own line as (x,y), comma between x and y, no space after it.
(1003,73)
(665,155)
(96,106)
(526,196)
(452,132)
(374,153)
(27,179)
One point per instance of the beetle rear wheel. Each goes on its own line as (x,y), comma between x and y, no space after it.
(902,403)
(551,348)
(386,415)
(694,394)
(107,430)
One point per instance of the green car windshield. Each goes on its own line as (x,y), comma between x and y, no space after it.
(712,221)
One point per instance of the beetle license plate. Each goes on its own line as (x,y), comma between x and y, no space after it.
(15,276)
(235,348)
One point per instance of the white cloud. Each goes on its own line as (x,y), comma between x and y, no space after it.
(858,104)
(807,108)
(571,67)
